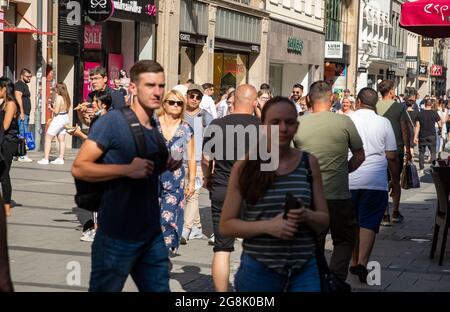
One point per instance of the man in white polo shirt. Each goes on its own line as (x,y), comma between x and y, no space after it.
(369,184)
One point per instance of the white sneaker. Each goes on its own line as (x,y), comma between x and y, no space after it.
(211,240)
(43,161)
(88,236)
(25,159)
(57,161)
(196,233)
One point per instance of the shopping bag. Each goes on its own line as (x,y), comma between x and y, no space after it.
(29,139)
(410,177)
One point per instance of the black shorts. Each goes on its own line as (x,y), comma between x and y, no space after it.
(401,160)
(221,243)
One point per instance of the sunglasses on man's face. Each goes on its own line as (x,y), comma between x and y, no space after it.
(296,92)
(177,103)
(195,97)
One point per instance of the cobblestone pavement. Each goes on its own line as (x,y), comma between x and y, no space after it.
(44,240)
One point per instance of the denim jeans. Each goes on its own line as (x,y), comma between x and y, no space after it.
(113,260)
(23,125)
(254,276)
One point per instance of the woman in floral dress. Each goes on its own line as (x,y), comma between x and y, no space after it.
(179,138)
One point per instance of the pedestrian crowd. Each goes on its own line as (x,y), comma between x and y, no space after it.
(338,160)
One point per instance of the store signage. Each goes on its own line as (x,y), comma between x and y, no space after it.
(423,69)
(362,70)
(137,7)
(99,10)
(436,70)
(295,45)
(93,37)
(334,49)
(255,48)
(427,42)
(185,37)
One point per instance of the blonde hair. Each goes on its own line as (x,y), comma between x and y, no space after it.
(179,96)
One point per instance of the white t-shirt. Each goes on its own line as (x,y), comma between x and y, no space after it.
(208,105)
(222,109)
(378,137)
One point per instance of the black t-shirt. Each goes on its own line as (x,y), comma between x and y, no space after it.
(412,122)
(26,96)
(222,166)
(129,209)
(118,100)
(427,120)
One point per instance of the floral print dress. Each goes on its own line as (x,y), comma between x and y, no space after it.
(172,188)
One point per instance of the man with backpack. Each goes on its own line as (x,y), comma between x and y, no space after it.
(129,239)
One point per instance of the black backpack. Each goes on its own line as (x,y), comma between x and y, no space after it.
(89,194)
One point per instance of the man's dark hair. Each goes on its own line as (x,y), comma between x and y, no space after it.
(98,71)
(385,86)
(190,81)
(410,103)
(319,91)
(25,71)
(264,86)
(207,85)
(299,86)
(105,98)
(144,66)
(402,95)
(368,97)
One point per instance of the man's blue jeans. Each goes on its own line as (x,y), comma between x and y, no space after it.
(254,276)
(23,125)
(113,260)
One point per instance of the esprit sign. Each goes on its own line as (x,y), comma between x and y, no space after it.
(93,37)
(436,70)
(99,10)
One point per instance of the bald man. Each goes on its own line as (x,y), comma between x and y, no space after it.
(216,181)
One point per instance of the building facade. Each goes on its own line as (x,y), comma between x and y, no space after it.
(295,44)
(341,34)
(25,32)
(221,42)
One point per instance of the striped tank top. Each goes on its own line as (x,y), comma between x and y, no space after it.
(280,255)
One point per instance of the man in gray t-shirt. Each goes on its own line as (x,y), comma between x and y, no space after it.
(198,119)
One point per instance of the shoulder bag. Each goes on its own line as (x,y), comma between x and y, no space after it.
(329,282)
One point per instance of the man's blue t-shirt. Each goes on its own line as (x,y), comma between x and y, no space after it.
(130,208)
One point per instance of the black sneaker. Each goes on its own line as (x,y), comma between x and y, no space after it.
(397,217)
(183,241)
(361,272)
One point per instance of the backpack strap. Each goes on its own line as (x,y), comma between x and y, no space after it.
(136,130)
(309,178)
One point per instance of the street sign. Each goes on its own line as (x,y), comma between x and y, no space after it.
(423,69)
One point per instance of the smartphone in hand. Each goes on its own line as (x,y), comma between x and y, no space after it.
(290,203)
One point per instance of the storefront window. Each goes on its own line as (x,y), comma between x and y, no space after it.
(186,64)
(230,70)
(276,78)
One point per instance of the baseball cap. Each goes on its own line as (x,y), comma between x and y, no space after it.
(197,87)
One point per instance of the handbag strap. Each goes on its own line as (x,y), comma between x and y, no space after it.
(136,130)
(409,116)
(320,256)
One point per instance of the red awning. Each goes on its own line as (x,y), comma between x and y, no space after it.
(8,27)
(429,18)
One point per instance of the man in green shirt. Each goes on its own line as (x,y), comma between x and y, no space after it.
(329,136)
(396,113)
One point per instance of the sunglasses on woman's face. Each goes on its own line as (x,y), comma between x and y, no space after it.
(172,103)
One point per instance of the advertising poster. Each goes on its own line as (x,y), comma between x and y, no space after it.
(86,84)
(115,64)
(93,37)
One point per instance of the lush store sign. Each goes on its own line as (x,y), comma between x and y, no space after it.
(295,45)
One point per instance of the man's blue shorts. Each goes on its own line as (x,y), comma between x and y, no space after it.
(370,206)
